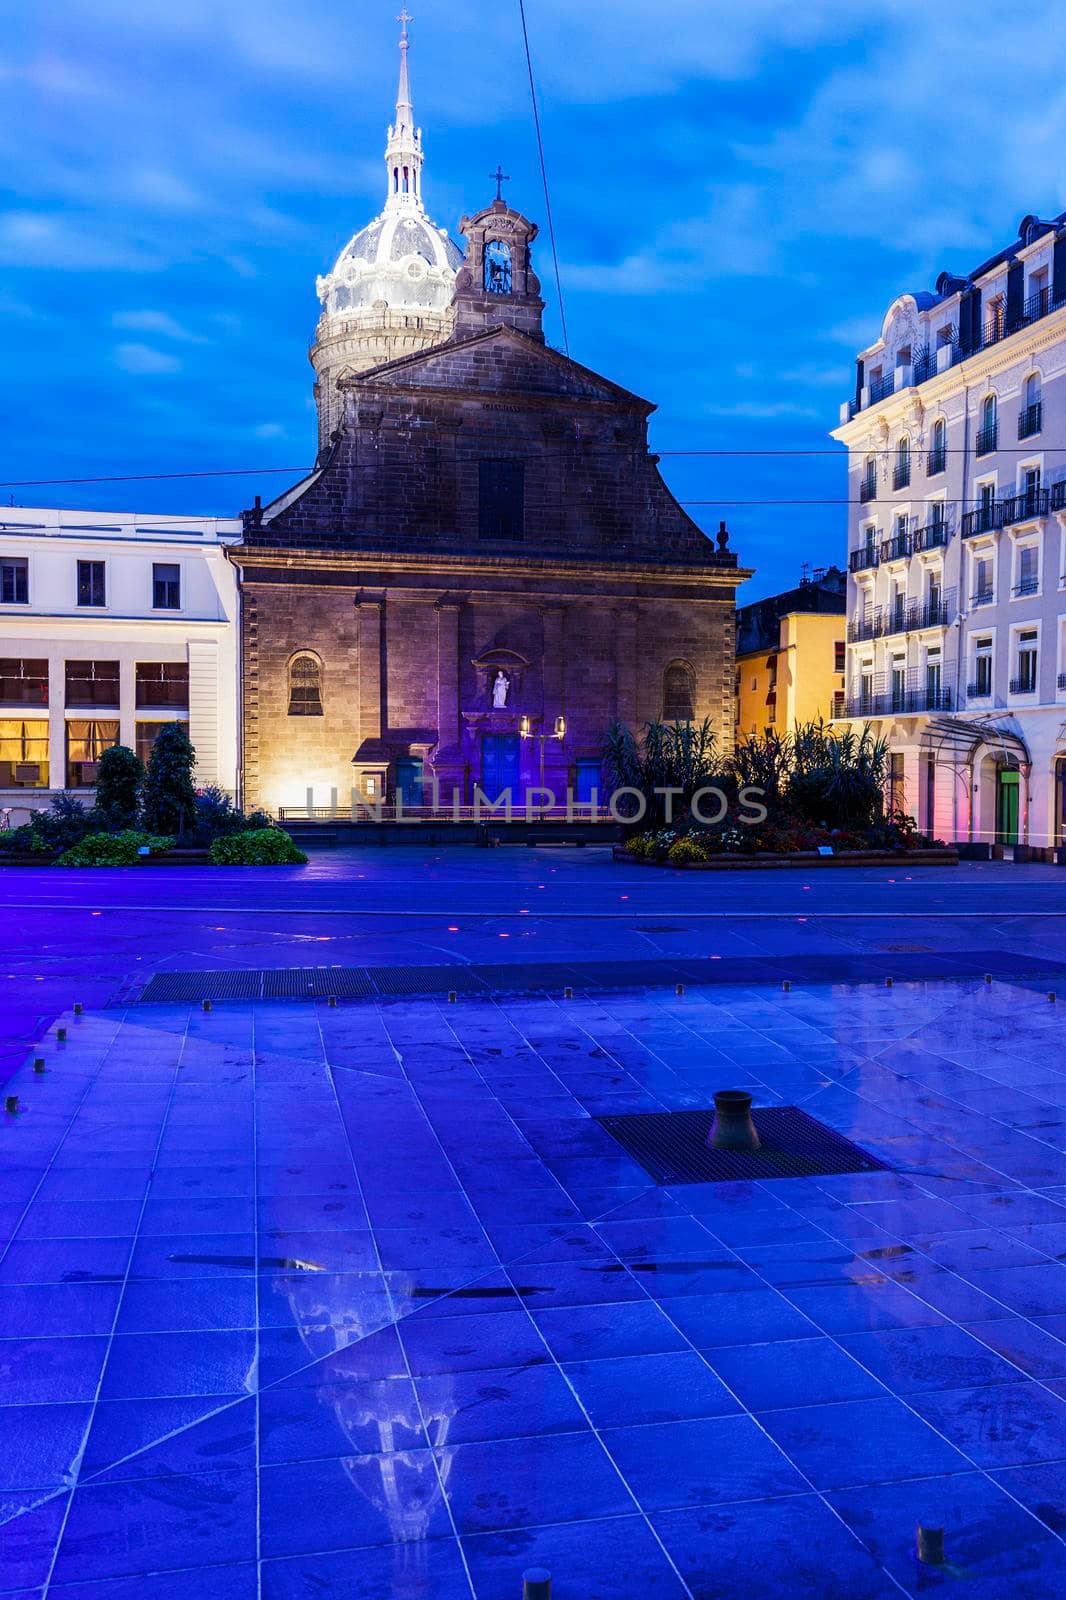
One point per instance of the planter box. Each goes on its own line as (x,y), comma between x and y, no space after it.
(975,852)
(804,859)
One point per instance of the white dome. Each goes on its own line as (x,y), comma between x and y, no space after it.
(401,260)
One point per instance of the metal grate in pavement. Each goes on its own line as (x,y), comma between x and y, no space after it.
(672,1147)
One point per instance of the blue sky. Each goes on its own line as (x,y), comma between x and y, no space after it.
(739,190)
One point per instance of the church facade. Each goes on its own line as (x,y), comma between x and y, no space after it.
(485,568)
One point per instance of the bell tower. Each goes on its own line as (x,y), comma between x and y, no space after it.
(497,286)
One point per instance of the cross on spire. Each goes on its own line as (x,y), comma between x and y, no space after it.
(403,19)
(501,178)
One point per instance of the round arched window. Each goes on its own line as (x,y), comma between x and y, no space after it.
(679,692)
(305,686)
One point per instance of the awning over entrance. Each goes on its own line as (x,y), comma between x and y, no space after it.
(957,741)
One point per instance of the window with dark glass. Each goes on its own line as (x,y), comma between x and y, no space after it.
(146,733)
(23,754)
(14,581)
(23,682)
(166,586)
(305,686)
(91,584)
(982,668)
(1025,683)
(498,278)
(92,683)
(86,743)
(679,692)
(162,683)
(501,499)
(839,655)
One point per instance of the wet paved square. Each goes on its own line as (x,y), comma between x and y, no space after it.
(363,1301)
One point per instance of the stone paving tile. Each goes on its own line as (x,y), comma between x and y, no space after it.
(585,1370)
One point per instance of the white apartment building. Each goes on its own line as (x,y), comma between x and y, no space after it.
(957,545)
(110,626)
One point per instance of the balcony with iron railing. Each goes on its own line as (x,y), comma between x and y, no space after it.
(1058,496)
(930,361)
(865,556)
(936,461)
(884,695)
(1024,507)
(1061,682)
(1024,586)
(1030,419)
(932,537)
(979,691)
(901,474)
(982,519)
(987,439)
(897,547)
(1023,685)
(868,487)
(983,597)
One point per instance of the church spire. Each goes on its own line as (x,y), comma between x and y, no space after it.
(403,153)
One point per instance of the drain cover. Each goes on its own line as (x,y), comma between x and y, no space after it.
(672,1147)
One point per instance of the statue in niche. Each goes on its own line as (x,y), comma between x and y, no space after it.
(501,688)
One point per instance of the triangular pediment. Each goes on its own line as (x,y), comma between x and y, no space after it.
(510,359)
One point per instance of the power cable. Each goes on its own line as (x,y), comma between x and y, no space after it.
(544,175)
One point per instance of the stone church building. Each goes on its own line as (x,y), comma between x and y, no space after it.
(485,552)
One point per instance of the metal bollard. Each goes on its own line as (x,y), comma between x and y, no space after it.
(889,982)
(786,986)
(537,1584)
(1051,995)
(452,997)
(930,1543)
(205,1005)
(78,1008)
(679,988)
(61,1034)
(11,1104)
(568,994)
(988,977)
(38,1064)
(332,1000)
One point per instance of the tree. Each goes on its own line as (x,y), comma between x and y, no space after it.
(118,782)
(168,797)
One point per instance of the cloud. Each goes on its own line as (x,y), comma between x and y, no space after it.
(66,244)
(157,322)
(270,430)
(141,359)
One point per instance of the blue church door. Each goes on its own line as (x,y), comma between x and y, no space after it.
(499,765)
(409,781)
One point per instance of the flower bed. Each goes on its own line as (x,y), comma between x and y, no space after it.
(725,861)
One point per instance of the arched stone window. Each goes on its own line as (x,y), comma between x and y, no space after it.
(498,276)
(305,685)
(679,692)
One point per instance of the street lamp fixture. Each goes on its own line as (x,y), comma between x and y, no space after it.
(525,729)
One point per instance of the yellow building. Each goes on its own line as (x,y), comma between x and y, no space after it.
(791,656)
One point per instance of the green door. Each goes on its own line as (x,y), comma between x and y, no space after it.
(409,780)
(1008,786)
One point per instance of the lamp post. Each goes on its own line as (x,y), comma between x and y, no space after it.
(525,730)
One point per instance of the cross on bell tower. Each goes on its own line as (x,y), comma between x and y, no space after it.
(500,177)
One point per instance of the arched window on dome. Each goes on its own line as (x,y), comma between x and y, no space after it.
(395,180)
(305,685)
(497,267)
(679,692)
(406,180)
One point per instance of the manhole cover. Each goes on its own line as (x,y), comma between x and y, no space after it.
(672,1147)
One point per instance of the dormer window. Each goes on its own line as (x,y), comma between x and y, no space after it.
(498,276)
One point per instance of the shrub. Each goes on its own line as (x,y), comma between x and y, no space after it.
(113,849)
(118,783)
(690,847)
(257,847)
(168,797)
(217,816)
